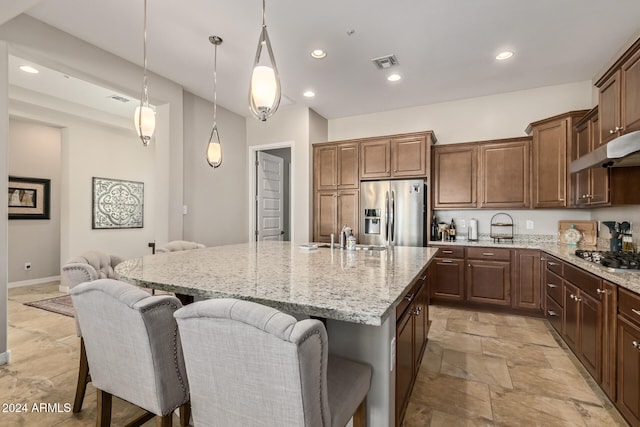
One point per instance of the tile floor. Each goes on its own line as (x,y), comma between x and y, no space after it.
(484,369)
(479,369)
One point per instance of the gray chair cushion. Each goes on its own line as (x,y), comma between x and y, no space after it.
(91,265)
(179,245)
(132,342)
(252,365)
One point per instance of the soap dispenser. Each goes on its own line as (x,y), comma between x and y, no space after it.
(351,242)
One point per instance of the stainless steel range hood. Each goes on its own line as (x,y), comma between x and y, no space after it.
(622,151)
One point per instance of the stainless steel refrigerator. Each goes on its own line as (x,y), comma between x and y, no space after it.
(393,212)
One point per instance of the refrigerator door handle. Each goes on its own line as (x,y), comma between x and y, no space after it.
(393,217)
(386,217)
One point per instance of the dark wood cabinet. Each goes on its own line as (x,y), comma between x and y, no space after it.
(455,176)
(489,281)
(395,157)
(590,186)
(619,96)
(552,146)
(448,275)
(628,399)
(609,338)
(336,183)
(527,280)
(375,158)
(333,209)
(412,323)
(554,292)
(504,174)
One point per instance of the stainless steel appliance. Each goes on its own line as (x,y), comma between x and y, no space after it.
(620,152)
(615,262)
(393,212)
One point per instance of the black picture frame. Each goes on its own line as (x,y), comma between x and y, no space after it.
(29,198)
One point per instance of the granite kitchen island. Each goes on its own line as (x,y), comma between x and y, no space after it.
(355,291)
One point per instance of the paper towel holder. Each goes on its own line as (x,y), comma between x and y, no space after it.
(472,234)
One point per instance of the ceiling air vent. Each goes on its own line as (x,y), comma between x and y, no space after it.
(385,62)
(119,98)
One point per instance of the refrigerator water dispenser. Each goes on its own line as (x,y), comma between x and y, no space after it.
(372,221)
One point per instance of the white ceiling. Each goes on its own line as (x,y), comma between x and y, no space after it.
(445,48)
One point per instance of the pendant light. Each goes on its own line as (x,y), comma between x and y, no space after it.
(214,149)
(264,91)
(144,117)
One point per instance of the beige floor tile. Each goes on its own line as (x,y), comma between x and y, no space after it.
(552,383)
(452,395)
(473,367)
(456,341)
(502,319)
(441,419)
(524,335)
(517,408)
(463,326)
(517,353)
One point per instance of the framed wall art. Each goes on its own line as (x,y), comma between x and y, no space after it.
(117,204)
(29,198)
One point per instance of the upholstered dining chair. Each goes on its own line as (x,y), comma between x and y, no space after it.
(133,348)
(251,365)
(89,266)
(178,245)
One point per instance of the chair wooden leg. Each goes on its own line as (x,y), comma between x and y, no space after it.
(164,421)
(83,378)
(360,416)
(185,414)
(103,415)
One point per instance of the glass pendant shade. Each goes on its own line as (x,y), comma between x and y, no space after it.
(145,123)
(214,149)
(264,91)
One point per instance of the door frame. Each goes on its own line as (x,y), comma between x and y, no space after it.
(251,154)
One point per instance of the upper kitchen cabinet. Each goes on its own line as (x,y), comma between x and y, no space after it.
(504,174)
(455,176)
(401,156)
(553,139)
(335,166)
(590,186)
(487,174)
(619,96)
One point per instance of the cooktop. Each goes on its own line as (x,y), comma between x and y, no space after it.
(616,262)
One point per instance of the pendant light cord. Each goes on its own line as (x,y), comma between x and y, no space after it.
(145,93)
(263,13)
(215,84)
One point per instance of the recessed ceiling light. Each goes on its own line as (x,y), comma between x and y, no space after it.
(394,77)
(29,69)
(318,54)
(504,55)
(309,94)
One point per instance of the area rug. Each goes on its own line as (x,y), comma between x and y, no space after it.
(61,305)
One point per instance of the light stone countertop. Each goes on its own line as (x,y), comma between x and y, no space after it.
(353,286)
(630,281)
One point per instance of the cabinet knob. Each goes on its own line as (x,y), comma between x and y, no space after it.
(552,263)
(551,285)
(636,311)
(487,253)
(552,313)
(636,345)
(561,199)
(611,131)
(409,297)
(601,291)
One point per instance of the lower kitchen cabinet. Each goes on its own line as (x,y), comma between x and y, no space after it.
(526,286)
(412,326)
(448,275)
(609,338)
(489,282)
(629,370)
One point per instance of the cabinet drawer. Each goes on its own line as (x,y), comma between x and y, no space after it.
(586,281)
(554,314)
(629,305)
(555,265)
(410,296)
(497,254)
(553,285)
(450,252)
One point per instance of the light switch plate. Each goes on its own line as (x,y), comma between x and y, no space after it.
(392,353)
(529,224)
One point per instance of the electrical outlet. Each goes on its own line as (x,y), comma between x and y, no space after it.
(392,355)
(529,224)
(185,210)
(27,266)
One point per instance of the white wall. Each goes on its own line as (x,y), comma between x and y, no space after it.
(34,151)
(216,198)
(498,116)
(4,171)
(619,214)
(290,125)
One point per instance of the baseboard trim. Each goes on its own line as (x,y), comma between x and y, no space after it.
(33,281)
(5,357)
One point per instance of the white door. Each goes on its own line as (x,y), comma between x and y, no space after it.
(269,197)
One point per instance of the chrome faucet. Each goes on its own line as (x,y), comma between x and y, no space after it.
(343,237)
